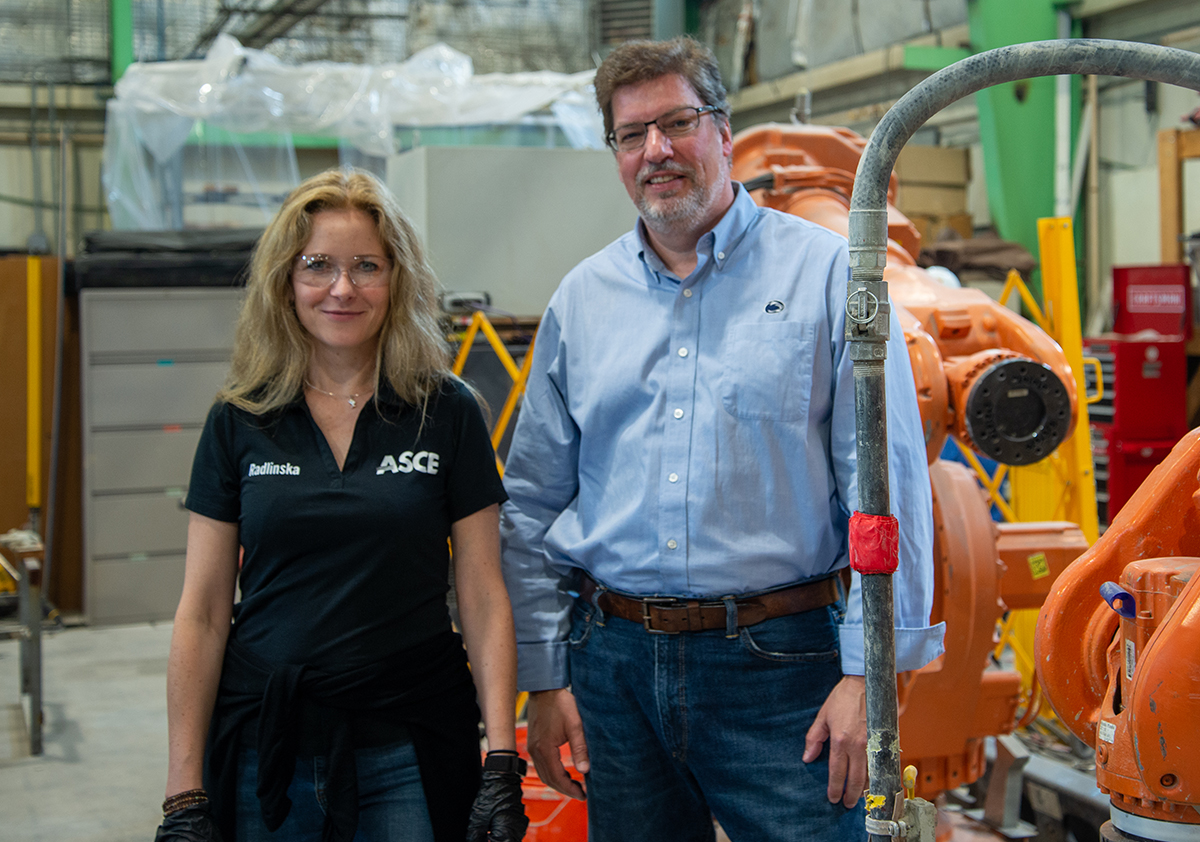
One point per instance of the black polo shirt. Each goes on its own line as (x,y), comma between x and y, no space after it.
(344,567)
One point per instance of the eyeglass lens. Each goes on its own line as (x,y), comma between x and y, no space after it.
(675,123)
(320,270)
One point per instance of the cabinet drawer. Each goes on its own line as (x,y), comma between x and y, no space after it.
(152,395)
(134,590)
(141,459)
(154,322)
(130,524)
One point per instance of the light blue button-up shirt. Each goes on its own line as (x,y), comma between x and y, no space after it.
(695,437)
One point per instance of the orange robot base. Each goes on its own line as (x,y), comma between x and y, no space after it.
(1128,683)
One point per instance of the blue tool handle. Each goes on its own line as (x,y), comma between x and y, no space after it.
(1113,594)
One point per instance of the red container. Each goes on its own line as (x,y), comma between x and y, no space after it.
(1154,298)
(1142,414)
(1149,390)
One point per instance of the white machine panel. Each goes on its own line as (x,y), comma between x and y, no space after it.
(510,221)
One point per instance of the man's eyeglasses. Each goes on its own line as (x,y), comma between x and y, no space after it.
(320,270)
(675,123)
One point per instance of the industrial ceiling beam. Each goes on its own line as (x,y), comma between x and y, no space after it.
(210,32)
(877,63)
(277,21)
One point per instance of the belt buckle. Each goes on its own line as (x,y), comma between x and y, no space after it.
(655,600)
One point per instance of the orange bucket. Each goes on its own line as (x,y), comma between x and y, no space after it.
(553,817)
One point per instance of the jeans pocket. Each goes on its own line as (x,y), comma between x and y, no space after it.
(808,638)
(584,617)
(318,778)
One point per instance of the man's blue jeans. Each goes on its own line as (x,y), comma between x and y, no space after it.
(391,799)
(684,727)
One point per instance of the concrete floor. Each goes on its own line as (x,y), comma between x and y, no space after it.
(101,776)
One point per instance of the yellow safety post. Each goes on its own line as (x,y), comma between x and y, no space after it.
(1063,486)
(519,375)
(33,382)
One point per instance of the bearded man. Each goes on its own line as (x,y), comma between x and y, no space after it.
(680,484)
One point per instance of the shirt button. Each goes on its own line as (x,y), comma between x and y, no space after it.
(673,477)
(720,255)
(678,413)
(687,293)
(683,352)
(672,544)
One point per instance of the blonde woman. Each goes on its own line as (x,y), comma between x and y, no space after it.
(333,700)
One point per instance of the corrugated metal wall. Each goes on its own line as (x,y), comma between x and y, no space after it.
(59,41)
(67,41)
(507,37)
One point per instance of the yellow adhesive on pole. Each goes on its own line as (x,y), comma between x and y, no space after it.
(874,802)
(33,382)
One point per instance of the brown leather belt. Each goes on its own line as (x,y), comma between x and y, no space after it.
(669,615)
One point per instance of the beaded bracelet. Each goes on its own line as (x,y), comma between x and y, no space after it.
(182,800)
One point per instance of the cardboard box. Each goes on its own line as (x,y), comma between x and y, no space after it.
(930,200)
(933,165)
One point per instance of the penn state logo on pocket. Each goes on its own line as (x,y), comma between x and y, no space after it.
(425,462)
(774,306)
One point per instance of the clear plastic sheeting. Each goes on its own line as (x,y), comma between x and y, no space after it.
(234,92)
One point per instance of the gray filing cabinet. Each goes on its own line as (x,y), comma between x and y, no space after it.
(153,359)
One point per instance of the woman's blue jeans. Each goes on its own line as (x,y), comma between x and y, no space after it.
(684,727)
(391,800)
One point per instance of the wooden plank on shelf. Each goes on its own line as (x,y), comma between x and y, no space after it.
(1170,200)
(1189,143)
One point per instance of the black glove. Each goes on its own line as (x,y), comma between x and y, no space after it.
(193,824)
(498,814)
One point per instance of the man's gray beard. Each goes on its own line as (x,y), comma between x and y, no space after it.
(687,210)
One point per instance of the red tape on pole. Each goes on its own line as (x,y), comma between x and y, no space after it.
(874,543)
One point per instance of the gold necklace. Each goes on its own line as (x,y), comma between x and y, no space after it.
(350,399)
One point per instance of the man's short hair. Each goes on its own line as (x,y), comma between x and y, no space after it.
(641,61)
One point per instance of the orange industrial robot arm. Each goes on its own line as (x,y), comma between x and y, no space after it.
(1118,646)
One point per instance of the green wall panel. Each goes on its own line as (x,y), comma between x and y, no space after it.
(1016,119)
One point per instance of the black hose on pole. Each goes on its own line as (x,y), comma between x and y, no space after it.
(868,313)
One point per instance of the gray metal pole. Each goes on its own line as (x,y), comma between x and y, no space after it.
(868,316)
(31,570)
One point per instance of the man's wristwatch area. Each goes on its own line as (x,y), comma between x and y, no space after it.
(505,761)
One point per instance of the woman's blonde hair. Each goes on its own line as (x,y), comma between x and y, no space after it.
(271,350)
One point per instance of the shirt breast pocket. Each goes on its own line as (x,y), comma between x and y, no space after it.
(768,370)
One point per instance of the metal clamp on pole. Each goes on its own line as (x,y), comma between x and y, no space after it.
(918,825)
(915,818)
